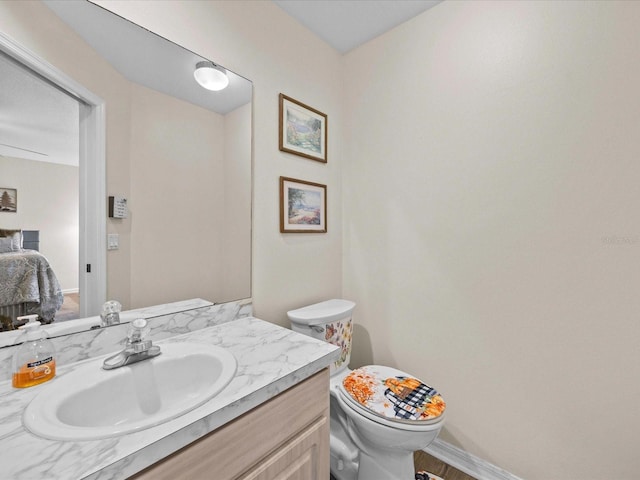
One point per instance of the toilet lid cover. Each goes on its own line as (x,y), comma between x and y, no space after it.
(393,394)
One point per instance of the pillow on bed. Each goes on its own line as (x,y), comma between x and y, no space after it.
(15,236)
(6,244)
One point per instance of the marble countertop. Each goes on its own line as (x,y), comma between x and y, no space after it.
(270,360)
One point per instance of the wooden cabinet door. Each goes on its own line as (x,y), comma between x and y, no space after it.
(304,457)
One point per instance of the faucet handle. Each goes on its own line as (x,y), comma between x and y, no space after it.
(139,323)
(110,314)
(139,330)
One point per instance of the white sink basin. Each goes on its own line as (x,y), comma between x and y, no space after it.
(91,403)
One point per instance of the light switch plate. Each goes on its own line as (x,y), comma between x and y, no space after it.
(113,241)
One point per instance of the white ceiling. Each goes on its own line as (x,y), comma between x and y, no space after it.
(347,24)
(148,59)
(35,128)
(37,121)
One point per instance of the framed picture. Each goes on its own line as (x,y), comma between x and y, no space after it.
(303,206)
(303,130)
(8,200)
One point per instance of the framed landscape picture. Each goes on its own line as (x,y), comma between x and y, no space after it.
(303,206)
(303,130)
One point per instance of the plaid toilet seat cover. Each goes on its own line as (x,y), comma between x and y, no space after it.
(393,394)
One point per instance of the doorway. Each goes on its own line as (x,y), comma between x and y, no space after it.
(91,266)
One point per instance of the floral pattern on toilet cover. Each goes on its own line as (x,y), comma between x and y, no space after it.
(339,333)
(393,394)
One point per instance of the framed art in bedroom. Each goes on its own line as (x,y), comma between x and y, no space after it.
(8,200)
(302,129)
(303,206)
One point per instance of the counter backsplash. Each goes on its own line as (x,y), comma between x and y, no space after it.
(93,343)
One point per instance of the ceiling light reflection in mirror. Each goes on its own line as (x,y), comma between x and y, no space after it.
(165,76)
(191,223)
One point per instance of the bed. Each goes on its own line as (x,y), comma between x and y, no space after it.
(28,284)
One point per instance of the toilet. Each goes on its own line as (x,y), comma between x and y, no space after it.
(379,415)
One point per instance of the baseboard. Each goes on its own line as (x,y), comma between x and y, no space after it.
(67,291)
(466,462)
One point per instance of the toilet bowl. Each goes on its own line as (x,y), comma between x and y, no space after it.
(378,415)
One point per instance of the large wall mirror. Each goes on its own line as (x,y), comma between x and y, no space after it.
(180,154)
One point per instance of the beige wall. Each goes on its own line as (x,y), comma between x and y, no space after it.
(177,199)
(491,225)
(190,200)
(47,201)
(236,243)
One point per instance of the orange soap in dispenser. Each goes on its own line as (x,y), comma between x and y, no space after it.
(34,360)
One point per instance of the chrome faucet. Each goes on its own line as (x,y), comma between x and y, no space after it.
(137,348)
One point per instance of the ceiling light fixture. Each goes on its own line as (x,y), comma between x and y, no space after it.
(211,76)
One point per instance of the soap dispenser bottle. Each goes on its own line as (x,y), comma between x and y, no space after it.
(34,360)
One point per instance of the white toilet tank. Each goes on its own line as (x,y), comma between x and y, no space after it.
(330,321)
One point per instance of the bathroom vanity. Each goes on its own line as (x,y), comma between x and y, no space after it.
(271,418)
(289,433)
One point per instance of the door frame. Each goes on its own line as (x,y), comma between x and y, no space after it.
(92,178)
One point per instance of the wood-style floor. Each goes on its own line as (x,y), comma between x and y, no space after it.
(424,461)
(70,308)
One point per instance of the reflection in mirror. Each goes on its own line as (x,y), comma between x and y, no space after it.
(179,154)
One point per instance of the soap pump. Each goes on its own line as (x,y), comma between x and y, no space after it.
(34,360)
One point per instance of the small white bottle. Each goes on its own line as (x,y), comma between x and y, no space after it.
(34,360)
